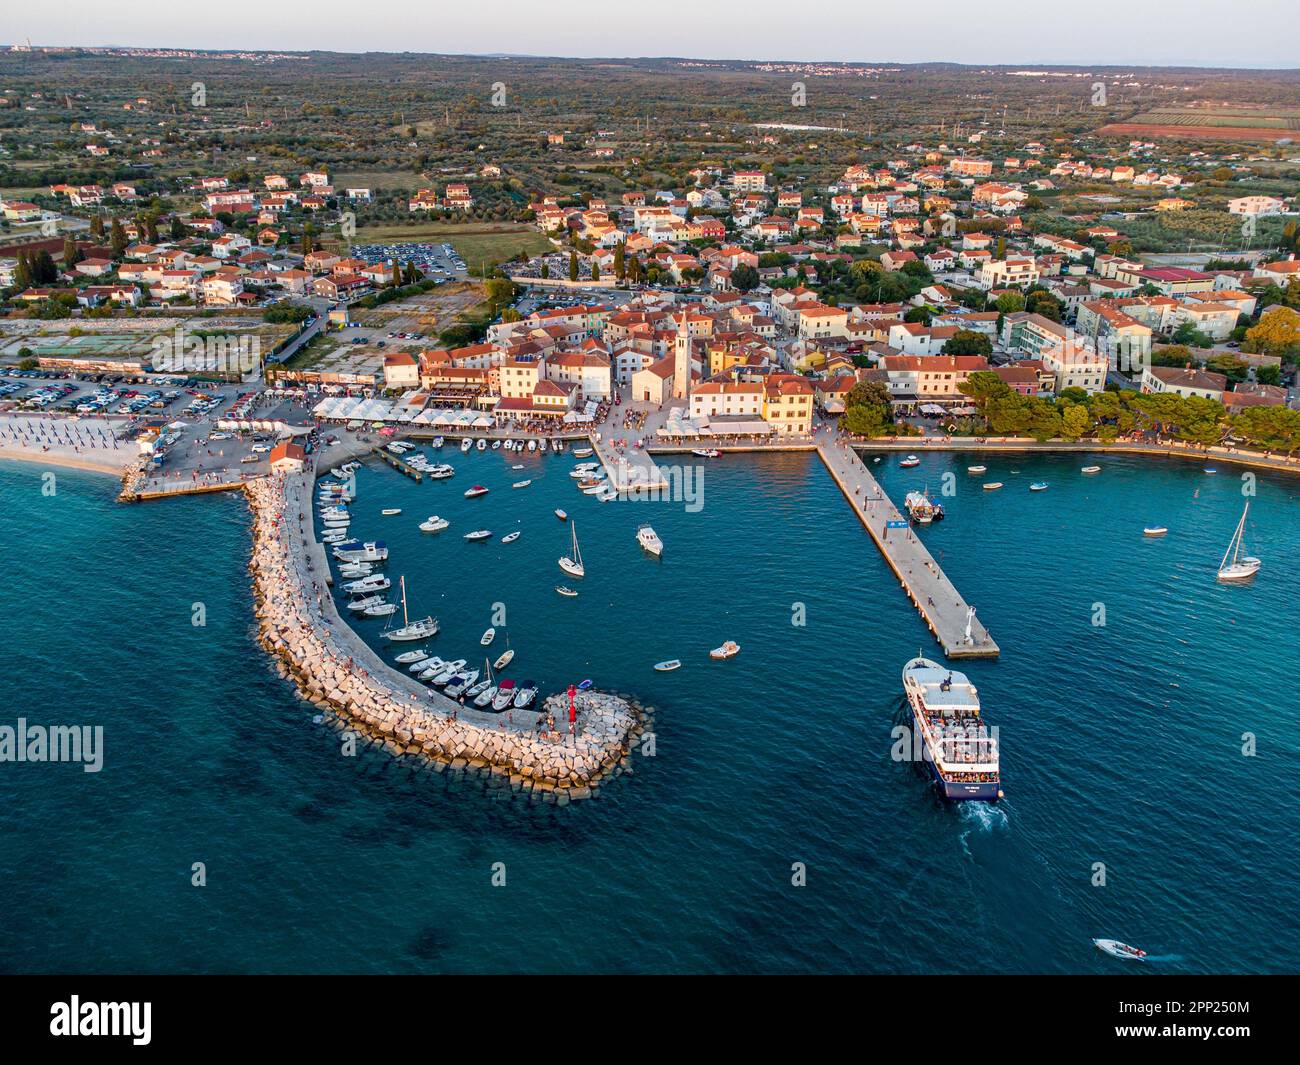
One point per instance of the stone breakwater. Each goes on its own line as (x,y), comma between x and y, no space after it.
(335,671)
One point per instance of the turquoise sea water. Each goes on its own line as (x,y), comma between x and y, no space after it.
(1121,743)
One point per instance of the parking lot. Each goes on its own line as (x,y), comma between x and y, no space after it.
(438,262)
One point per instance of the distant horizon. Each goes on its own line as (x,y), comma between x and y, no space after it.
(22,47)
(822,31)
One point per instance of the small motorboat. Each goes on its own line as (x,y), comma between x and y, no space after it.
(486,696)
(581,452)
(356,569)
(977,469)
(1116,949)
(510,538)
(728,650)
(380,610)
(479,534)
(1154,531)
(449,670)
(475,492)
(522,484)
(525,695)
(461,682)
(376,582)
(1038,486)
(388,512)
(407,657)
(909,462)
(649,540)
(505,659)
(606,494)
(669,666)
(705,452)
(441,472)
(433,666)
(1209,469)
(518,466)
(585,684)
(505,695)
(359,606)
(482,445)
(434,524)
(561,515)
(488,637)
(532,445)
(466,444)
(1090,469)
(565,590)
(992,486)
(496,445)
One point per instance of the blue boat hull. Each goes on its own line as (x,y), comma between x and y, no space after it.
(960,791)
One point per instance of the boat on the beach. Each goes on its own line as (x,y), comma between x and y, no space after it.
(909,462)
(921,509)
(992,486)
(1038,486)
(522,484)
(572,563)
(476,491)
(668,666)
(977,469)
(561,515)
(488,637)
(1116,949)
(525,695)
(1154,530)
(1242,567)
(505,695)
(728,650)
(1090,469)
(649,540)
(423,629)
(566,591)
(434,524)
(511,537)
(960,751)
(479,534)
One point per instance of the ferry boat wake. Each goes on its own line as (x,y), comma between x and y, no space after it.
(959,749)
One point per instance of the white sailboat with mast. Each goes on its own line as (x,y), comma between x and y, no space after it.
(1236,566)
(572,564)
(412,630)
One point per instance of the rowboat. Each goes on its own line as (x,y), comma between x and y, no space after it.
(388,512)
(521,484)
(561,515)
(992,486)
(504,660)
(1038,486)
(488,637)
(479,534)
(669,666)
(510,538)
(565,591)
(1154,530)
(977,469)
(1090,469)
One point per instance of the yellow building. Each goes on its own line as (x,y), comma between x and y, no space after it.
(788,404)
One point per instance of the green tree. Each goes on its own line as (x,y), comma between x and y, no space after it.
(968,342)
(573,265)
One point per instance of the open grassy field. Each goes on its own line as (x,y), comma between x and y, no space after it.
(477,242)
(379,179)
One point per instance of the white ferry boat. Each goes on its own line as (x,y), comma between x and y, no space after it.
(921,509)
(959,749)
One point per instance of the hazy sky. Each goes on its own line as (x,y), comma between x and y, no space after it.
(1252,33)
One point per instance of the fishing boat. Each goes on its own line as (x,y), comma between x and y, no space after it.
(479,534)
(649,540)
(909,462)
(381,610)
(992,486)
(581,452)
(728,650)
(1241,567)
(572,564)
(434,524)
(525,695)
(561,515)
(449,671)
(475,492)
(921,509)
(1154,530)
(705,452)
(466,444)
(488,637)
(406,658)
(669,666)
(960,751)
(1116,949)
(461,683)
(1090,469)
(566,591)
(510,538)
(423,629)
(505,695)
(977,469)
(522,484)
(1038,486)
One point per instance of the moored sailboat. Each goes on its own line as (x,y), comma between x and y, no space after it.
(1241,567)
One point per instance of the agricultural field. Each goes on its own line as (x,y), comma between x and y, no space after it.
(1261,124)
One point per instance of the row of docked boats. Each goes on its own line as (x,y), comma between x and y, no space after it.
(543,445)
(479,688)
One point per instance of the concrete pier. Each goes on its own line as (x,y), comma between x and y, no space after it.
(630,470)
(934,595)
(398,464)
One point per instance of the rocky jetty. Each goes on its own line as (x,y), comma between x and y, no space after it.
(337,672)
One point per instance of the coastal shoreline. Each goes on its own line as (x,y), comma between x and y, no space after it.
(337,672)
(62,459)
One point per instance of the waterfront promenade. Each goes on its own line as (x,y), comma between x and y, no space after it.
(936,598)
(630,469)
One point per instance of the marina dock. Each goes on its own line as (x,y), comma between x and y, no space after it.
(631,470)
(398,464)
(937,600)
